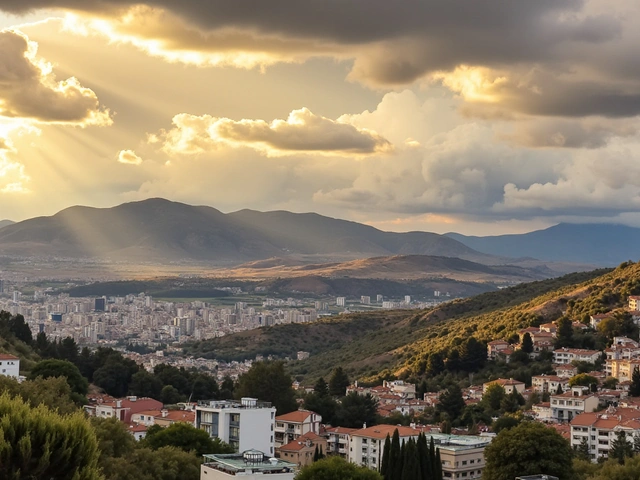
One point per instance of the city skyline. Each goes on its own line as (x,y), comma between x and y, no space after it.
(494,118)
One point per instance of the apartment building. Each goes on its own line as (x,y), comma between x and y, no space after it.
(461,456)
(600,429)
(568,405)
(567,355)
(9,366)
(338,440)
(124,408)
(292,425)
(245,425)
(549,383)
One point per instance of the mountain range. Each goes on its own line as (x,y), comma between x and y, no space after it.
(158,229)
(597,244)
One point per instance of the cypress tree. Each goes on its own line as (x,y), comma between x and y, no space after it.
(316,455)
(432,459)
(411,463)
(438,466)
(320,454)
(399,466)
(384,466)
(394,456)
(423,457)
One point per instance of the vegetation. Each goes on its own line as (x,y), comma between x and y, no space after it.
(527,449)
(414,460)
(37,443)
(185,437)
(268,382)
(332,468)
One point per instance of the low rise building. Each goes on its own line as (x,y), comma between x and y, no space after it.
(290,426)
(568,355)
(9,365)
(249,465)
(568,405)
(124,408)
(549,383)
(302,450)
(509,385)
(338,440)
(245,425)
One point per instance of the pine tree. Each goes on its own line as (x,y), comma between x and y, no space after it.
(582,450)
(634,389)
(564,333)
(338,383)
(411,463)
(321,388)
(620,447)
(384,466)
(527,343)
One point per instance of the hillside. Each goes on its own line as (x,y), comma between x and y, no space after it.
(158,229)
(5,223)
(366,344)
(397,267)
(596,244)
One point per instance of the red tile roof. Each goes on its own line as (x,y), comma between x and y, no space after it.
(299,416)
(6,356)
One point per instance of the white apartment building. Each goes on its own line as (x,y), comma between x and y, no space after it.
(291,426)
(249,465)
(245,425)
(461,456)
(9,366)
(338,440)
(549,383)
(568,355)
(600,429)
(566,406)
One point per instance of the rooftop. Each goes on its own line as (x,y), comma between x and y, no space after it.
(251,461)
(245,402)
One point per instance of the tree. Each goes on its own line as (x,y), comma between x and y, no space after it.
(582,450)
(333,467)
(226,388)
(473,355)
(451,402)
(267,381)
(203,387)
(338,383)
(384,464)
(114,376)
(564,333)
(20,329)
(621,448)
(435,364)
(169,395)
(634,388)
(113,437)
(167,463)
(185,437)
(68,350)
(504,423)
(424,457)
(54,392)
(394,457)
(610,383)
(410,462)
(321,388)
(511,403)
(145,384)
(61,368)
(324,405)
(559,390)
(636,443)
(38,444)
(357,410)
(492,397)
(527,449)
(583,379)
(527,343)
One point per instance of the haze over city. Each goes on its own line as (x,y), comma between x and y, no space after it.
(482,118)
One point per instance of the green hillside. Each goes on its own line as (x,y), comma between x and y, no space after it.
(400,342)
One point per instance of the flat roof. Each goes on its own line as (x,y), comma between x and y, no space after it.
(251,460)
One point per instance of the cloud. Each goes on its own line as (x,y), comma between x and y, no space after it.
(129,157)
(29,89)
(301,132)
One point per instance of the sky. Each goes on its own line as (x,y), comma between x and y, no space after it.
(482,117)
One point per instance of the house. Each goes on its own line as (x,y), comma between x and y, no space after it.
(302,450)
(568,355)
(622,369)
(245,425)
(600,429)
(338,440)
(549,383)
(138,431)
(122,409)
(461,456)
(509,385)
(290,426)
(169,417)
(566,406)
(9,366)
(496,347)
(634,302)
(249,465)
(566,371)
(399,387)
(542,411)
(594,320)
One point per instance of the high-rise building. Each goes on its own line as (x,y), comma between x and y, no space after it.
(1,286)
(379,298)
(100,304)
(341,301)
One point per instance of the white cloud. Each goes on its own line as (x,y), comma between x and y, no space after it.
(129,157)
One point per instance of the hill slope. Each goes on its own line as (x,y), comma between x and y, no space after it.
(158,229)
(596,244)
(5,223)
(366,344)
